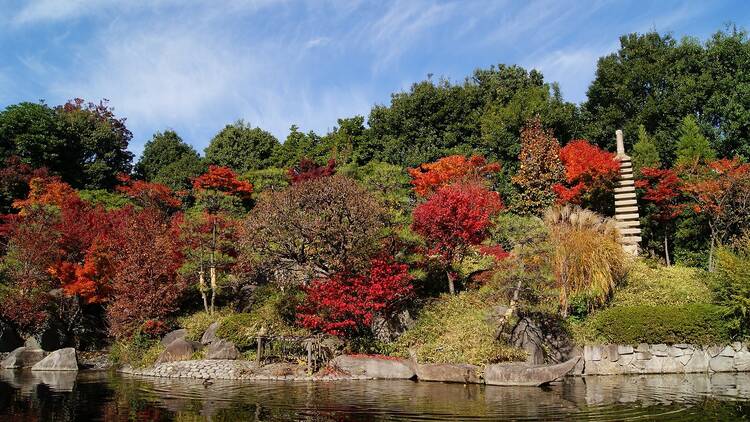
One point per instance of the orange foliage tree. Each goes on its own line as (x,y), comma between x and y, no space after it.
(429,177)
(540,169)
(722,193)
(590,174)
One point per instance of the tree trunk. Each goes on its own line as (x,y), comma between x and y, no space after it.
(666,250)
(451,283)
(212,269)
(711,255)
(202,287)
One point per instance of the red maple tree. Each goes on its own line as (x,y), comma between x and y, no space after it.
(345,304)
(429,177)
(589,172)
(223,179)
(662,188)
(148,194)
(308,169)
(454,218)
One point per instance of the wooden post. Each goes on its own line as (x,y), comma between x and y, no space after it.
(260,350)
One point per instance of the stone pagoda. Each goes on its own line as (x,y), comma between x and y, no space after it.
(626,203)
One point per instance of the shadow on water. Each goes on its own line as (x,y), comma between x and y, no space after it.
(50,396)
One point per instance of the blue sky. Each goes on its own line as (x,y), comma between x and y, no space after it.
(194,66)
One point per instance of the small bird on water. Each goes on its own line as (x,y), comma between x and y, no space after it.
(207,382)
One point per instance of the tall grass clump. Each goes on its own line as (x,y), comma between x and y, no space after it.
(588,261)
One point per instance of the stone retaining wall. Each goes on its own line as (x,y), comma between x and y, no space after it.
(616,359)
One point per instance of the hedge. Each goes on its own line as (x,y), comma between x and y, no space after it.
(696,323)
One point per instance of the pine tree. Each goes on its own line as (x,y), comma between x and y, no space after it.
(645,153)
(693,148)
(540,169)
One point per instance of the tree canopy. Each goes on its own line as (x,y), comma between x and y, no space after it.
(242,148)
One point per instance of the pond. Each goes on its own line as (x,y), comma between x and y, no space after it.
(112,397)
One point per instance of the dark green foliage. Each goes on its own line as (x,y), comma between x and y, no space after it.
(482,115)
(731,283)
(83,143)
(299,145)
(645,153)
(242,148)
(693,147)
(655,81)
(268,179)
(694,323)
(168,160)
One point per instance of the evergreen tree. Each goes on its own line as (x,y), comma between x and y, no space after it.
(242,148)
(645,153)
(167,159)
(693,148)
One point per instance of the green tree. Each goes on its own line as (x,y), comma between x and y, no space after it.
(84,143)
(167,159)
(693,148)
(644,152)
(655,81)
(484,114)
(299,145)
(242,148)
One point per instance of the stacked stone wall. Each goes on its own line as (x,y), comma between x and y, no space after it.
(616,359)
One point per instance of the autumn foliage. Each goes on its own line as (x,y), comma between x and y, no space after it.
(662,188)
(345,304)
(589,172)
(454,218)
(308,169)
(429,177)
(540,169)
(223,179)
(148,194)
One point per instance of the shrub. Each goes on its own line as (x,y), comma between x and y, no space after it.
(345,304)
(659,285)
(196,324)
(139,351)
(266,317)
(457,328)
(696,323)
(731,283)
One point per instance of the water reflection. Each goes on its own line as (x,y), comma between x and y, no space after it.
(105,396)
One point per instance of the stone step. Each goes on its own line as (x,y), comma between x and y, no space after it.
(619,216)
(622,189)
(626,195)
(628,223)
(626,210)
(625,182)
(626,175)
(626,164)
(629,240)
(630,231)
(625,202)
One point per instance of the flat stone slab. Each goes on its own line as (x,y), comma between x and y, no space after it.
(59,360)
(374,367)
(22,357)
(521,374)
(448,372)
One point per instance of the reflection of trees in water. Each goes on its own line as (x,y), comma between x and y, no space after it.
(61,396)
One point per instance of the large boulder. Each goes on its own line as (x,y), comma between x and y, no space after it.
(22,357)
(209,336)
(179,349)
(388,328)
(222,349)
(173,335)
(59,360)
(448,372)
(526,374)
(374,366)
(9,338)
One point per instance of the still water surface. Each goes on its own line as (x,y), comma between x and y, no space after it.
(26,396)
